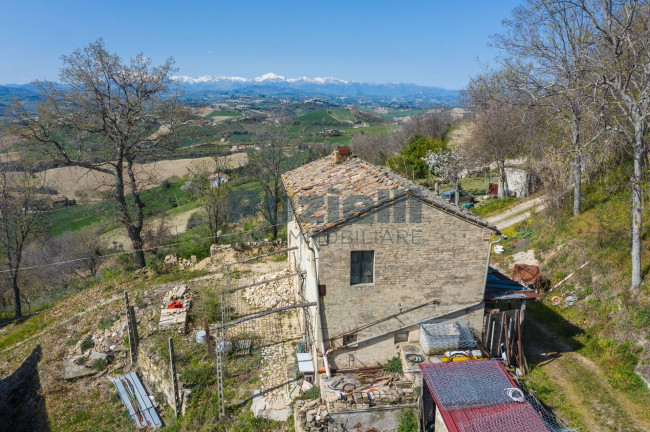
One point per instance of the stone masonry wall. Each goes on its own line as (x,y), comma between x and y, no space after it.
(421,254)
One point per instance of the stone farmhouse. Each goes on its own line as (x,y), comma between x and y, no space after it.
(380,255)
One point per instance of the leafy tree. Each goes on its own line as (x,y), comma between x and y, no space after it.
(106,115)
(414,154)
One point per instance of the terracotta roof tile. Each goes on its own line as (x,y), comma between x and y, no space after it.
(348,178)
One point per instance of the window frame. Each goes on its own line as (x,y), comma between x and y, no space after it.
(362,267)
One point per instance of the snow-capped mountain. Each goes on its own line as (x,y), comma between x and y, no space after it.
(266,78)
(277,85)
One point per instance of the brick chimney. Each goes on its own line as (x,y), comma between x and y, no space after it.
(341,153)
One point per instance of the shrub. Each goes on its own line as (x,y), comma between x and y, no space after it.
(166,184)
(87,343)
(394,365)
(108,321)
(408,421)
(195,220)
(312,393)
(100,364)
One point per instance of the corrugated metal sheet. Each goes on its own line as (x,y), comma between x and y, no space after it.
(137,401)
(500,287)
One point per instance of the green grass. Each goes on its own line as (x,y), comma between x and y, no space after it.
(492,206)
(157,200)
(225,112)
(322,117)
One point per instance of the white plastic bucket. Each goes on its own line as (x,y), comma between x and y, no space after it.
(200,336)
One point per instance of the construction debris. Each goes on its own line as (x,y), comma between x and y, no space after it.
(173,313)
(137,401)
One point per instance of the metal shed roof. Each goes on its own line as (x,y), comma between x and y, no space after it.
(472,396)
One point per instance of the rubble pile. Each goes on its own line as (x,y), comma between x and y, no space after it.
(274,294)
(362,391)
(311,416)
(107,346)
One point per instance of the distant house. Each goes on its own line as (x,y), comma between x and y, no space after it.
(218,178)
(60,202)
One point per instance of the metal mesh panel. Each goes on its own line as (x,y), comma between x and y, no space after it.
(515,417)
(467,384)
(436,337)
(475,396)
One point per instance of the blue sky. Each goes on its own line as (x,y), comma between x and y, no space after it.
(434,42)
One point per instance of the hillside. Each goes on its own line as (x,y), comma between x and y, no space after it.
(589,359)
(337,116)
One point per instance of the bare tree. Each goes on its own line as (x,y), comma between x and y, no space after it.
(622,67)
(497,133)
(555,39)
(375,147)
(107,115)
(267,165)
(21,214)
(213,190)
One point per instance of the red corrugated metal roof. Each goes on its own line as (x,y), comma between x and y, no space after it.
(499,417)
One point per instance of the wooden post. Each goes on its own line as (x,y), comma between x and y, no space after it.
(520,345)
(208,341)
(131,331)
(172,363)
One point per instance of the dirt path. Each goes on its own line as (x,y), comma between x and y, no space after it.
(584,385)
(518,213)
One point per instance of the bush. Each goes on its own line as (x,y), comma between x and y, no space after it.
(100,364)
(195,220)
(166,184)
(394,365)
(408,421)
(312,393)
(87,343)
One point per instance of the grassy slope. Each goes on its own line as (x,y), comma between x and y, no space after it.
(225,112)
(596,386)
(318,117)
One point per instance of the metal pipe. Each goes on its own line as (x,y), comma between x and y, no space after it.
(487,264)
(473,305)
(492,339)
(325,362)
(501,237)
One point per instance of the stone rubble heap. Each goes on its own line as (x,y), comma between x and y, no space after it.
(107,346)
(311,416)
(274,294)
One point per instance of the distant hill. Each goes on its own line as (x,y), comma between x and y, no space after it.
(338,116)
(275,85)
(25,92)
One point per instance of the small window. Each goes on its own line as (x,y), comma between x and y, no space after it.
(348,339)
(361,267)
(401,337)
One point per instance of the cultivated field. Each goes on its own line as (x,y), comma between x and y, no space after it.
(70,181)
